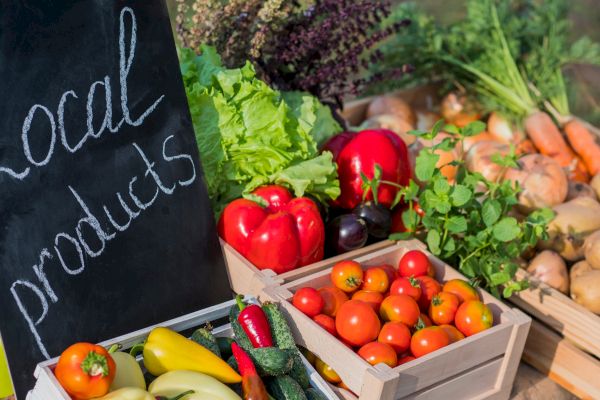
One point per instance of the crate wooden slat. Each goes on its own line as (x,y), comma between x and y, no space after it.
(246,279)
(493,354)
(48,388)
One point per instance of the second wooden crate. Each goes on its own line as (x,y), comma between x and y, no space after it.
(478,367)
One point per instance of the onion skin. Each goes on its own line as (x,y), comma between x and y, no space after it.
(393,123)
(392,105)
(456,110)
(479,158)
(543,181)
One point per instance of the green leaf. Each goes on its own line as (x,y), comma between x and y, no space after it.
(506,229)
(442,205)
(437,127)
(452,129)
(460,195)
(411,191)
(418,133)
(425,165)
(491,211)
(441,186)
(457,224)
(400,236)
(410,219)
(449,246)
(473,128)
(433,242)
(257,199)
(499,278)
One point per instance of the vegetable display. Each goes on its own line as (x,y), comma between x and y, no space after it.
(260,362)
(390,326)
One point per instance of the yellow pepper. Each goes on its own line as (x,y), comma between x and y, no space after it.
(129,373)
(135,393)
(166,350)
(205,387)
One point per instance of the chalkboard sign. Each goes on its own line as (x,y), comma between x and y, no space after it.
(105,223)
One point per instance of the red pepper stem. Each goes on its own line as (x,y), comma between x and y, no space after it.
(239,299)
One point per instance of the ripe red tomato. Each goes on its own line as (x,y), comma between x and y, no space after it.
(443,308)
(408,286)
(405,359)
(333,298)
(427,340)
(389,270)
(326,322)
(395,334)
(347,275)
(309,301)
(423,322)
(375,280)
(453,334)
(400,308)
(376,352)
(429,287)
(461,289)
(473,317)
(357,323)
(373,299)
(415,263)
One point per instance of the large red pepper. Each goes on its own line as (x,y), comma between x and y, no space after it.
(253,387)
(254,321)
(360,152)
(287,234)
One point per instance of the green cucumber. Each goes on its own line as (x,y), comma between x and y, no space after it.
(240,336)
(224,344)
(204,337)
(314,394)
(285,388)
(282,335)
(298,371)
(269,361)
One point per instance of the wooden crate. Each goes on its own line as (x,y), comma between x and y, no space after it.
(48,388)
(481,366)
(246,279)
(565,340)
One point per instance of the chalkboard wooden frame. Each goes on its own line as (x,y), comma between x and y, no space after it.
(106,225)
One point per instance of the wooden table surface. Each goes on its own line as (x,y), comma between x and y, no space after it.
(532,385)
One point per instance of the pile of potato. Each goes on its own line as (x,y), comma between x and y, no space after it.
(569,260)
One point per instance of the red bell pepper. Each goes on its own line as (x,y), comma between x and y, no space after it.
(286,234)
(254,321)
(253,387)
(360,152)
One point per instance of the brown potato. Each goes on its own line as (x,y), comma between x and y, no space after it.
(575,220)
(585,290)
(580,268)
(392,122)
(543,181)
(551,269)
(392,105)
(595,184)
(426,119)
(591,249)
(580,189)
(479,158)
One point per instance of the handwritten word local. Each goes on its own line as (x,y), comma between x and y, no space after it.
(78,242)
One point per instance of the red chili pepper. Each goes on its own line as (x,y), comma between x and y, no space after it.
(253,387)
(255,324)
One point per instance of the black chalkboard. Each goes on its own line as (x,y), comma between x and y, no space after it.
(105,223)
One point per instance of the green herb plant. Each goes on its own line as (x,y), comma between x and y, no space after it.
(468,222)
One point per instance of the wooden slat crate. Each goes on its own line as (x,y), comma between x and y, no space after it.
(48,388)
(245,278)
(481,366)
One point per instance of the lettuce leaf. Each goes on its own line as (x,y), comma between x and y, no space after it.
(250,135)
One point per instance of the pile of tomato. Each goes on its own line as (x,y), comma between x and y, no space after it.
(394,315)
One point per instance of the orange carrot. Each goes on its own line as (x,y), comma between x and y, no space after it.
(547,138)
(585,143)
